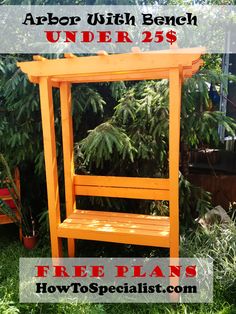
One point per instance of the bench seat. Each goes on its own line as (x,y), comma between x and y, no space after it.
(117,227)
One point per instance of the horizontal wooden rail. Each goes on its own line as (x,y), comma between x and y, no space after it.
(122,182)
(123,76)
(147,194)
(124,187)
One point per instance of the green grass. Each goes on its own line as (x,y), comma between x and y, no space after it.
(220,243)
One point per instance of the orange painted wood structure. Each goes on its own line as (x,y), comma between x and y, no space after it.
(6,196)
(175,65)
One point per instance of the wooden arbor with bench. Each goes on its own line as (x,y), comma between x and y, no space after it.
(175,65)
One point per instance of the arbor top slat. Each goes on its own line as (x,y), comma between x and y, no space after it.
(114,67)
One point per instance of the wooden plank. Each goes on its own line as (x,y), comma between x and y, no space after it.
(5,220)
(174,141)
(112,63)
(17,180)
(161,240)
(115,227)
(68,153)
(6,198)
(148,194)
(117,216)
(125,182)
(97,223)
(50,156)
(120,218)
(154,74)
(113,77)
(115,233)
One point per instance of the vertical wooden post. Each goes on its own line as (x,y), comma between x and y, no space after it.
(68,154)
(50,156)
(174,142)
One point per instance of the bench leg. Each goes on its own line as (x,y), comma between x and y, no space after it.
(56,246)
(71,247)
(174,250)
(174,261)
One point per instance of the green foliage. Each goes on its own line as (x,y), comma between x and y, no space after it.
(104,143)
(88,108)
(199,125)
(20,123)
(219,243)
(142,112)
(141,115)
(212,62)
(194,201)
(118,89)
(44,229)
(20,118)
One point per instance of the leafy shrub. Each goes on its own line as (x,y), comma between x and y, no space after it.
(219,243)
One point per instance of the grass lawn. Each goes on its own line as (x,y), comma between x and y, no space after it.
(218,243)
